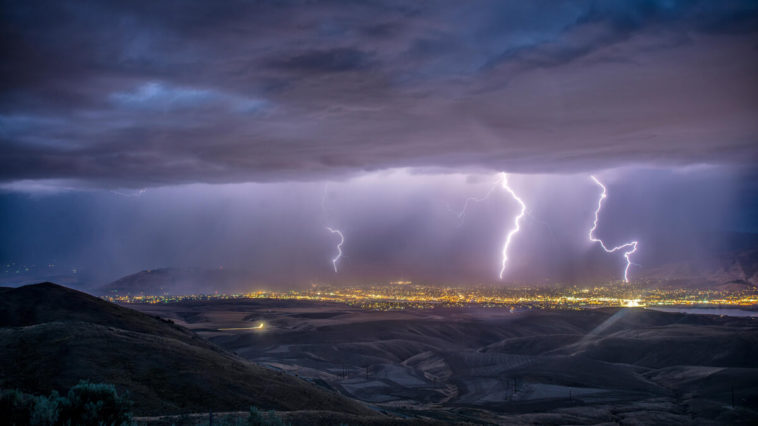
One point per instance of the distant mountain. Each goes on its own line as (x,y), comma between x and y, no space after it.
(51,337)
(175,281)
(733,264)
(738,269)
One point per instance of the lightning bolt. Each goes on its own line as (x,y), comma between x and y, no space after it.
(323,198)
(470,200)
(339,246)
(136,193)
(516,222)
(630,244)
(332,230)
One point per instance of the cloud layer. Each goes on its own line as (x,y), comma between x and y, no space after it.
(143,94)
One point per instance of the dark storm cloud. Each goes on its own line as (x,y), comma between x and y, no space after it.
(145,93)
(335,60)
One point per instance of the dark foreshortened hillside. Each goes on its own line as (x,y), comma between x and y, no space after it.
(48,302)
(52,336)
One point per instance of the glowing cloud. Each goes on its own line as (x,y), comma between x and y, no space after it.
(630,244)
(516,222)
(339,246)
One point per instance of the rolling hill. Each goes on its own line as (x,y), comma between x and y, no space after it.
(605,365)
(52,336)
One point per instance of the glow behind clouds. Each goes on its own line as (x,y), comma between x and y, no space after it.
(398,225)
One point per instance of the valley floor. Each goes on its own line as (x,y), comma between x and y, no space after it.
(623,366)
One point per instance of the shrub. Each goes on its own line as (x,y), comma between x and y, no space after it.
(262,418)
(87,404)
(95,404)
(17,407)
(47,410)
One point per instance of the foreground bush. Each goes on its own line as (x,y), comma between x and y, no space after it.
(86,404)
(261,418)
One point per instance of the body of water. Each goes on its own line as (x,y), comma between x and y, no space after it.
(730,312)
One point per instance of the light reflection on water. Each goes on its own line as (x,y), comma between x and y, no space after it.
(730,312)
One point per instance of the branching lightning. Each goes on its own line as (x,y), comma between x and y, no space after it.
(136,193)
(516,222)
(631,244)
(323,198)
(470,200)
(332,230)
(502,181)
(339,246)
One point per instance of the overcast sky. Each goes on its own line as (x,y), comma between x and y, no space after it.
(189,133)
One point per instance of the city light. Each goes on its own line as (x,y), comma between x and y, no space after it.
(415,296)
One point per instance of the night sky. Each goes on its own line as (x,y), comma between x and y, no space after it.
(139,135)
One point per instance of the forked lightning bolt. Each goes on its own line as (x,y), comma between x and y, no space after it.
(631,244)
(339,246)
(461,214)
(516,222)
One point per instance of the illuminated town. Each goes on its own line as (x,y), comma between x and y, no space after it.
(404,295)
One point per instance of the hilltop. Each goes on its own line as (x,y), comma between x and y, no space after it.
(52,336)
